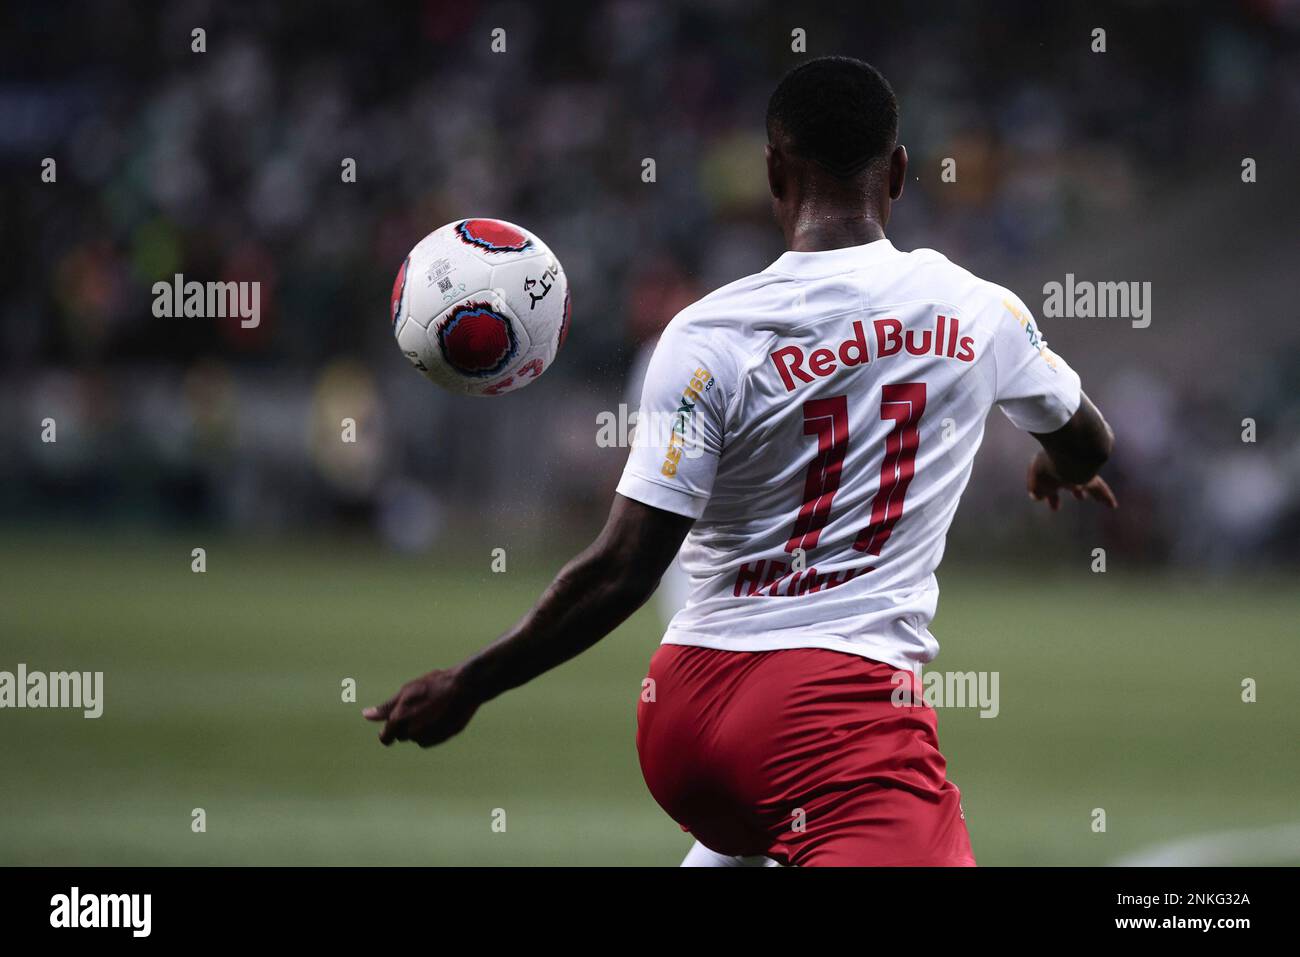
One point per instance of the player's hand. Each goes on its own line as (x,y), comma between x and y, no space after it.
(428,710)
(1045,485)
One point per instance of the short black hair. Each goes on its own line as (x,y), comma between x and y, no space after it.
(837,111)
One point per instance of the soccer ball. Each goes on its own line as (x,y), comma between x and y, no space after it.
(481,307)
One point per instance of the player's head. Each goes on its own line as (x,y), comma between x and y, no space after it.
(832,132)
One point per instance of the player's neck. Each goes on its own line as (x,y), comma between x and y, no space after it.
(816,230)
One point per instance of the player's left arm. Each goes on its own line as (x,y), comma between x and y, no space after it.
(590,597)
(1042,395)
(1071,457)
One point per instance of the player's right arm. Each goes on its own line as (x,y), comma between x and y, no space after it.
(1041,394)
(666,484)
(591,596)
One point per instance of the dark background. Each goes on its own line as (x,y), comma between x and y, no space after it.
(1120,166)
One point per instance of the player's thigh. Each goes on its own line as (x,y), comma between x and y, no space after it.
(865,782)
(882,826)
(691,764)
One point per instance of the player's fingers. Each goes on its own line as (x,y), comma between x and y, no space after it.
(1054,501)
(380,712)
(1076,492)
(395,727)
(394,730)
(1100,491)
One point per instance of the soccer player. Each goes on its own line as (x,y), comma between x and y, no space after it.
(825,414)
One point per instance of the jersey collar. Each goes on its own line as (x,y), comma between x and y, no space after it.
(829,262)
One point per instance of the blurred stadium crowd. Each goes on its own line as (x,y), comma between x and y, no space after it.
(1123,165)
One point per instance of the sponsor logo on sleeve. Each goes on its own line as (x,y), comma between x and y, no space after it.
(1035,337)
(683,419)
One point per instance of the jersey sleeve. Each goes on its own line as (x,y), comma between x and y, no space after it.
(679,426)
(1036,389)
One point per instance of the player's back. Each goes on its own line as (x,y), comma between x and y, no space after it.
(823,420)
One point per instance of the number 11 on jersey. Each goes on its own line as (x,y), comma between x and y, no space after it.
(828,419)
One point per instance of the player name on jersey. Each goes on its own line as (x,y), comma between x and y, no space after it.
(944,339)
(777,579)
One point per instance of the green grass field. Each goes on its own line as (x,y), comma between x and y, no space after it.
(1118,691)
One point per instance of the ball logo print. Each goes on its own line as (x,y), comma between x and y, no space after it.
(477,341)
(492,235)
(481,307)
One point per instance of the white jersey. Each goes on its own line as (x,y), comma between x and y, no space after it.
(819,420)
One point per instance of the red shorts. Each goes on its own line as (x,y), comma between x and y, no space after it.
(800,755)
